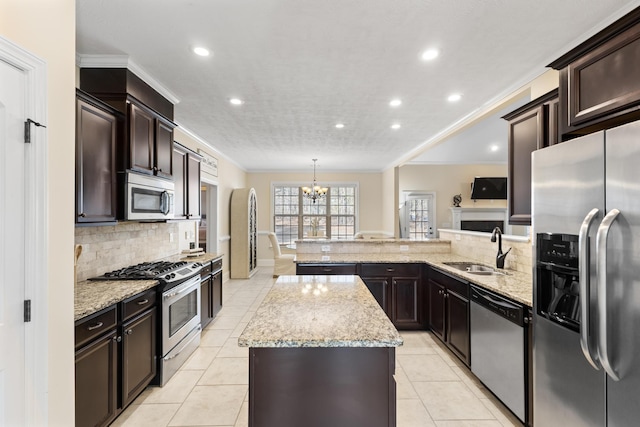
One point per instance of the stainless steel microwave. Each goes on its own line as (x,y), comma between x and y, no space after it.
(148,198)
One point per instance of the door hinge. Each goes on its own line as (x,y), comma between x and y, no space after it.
(27,310)
(27,129)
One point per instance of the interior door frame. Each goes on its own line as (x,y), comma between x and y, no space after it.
(36,349)
(422,194)
(212,204)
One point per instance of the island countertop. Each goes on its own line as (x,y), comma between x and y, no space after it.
(319,311)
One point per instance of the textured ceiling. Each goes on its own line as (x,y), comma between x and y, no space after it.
(301,66)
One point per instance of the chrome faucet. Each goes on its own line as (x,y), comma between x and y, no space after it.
(500,256)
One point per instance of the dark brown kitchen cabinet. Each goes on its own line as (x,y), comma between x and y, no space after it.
(187,183)
(531,127)
(97,127)
(397,287)
(599,85)
(116,358)
(449,312)
(210,291)
(150,141)
(327,269)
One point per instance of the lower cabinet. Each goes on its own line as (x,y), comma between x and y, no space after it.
(210,291)
(115,358)
(449,312)
(398,290)
(346,268)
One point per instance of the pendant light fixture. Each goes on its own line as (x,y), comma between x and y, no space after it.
(315,192)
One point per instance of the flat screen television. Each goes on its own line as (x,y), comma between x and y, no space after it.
(494,188)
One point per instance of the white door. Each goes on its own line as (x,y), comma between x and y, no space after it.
(12,246)
(418,216)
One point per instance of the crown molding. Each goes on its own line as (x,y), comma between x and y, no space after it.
(123,61)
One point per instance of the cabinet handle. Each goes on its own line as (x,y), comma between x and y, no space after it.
(155,169)
(327,270)
(128,331)
(390,270)
(143,302)
(82,215)
(117,339)
(96,326)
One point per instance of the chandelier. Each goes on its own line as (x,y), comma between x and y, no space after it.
(315,192)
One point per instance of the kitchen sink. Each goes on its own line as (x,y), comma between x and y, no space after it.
(474,268)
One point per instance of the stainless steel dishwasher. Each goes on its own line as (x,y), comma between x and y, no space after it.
(498,343)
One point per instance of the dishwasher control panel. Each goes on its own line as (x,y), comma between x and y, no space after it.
(498,304)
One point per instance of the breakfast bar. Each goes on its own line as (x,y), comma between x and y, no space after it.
(321,352)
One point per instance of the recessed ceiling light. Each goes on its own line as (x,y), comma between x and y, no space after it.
(236,101)
(455,97)
(430,54)
(395,102)
(201,51)
(494,147)
(395,126)
(339,125)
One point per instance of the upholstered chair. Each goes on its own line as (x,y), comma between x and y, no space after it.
(283,263)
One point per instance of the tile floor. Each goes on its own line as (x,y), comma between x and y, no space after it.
(433,387)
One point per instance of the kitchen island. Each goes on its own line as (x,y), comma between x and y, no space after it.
(321,353)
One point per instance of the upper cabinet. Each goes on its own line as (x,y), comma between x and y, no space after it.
(531,127)
(97,127)
(187,183)
(148,141)
(599,85)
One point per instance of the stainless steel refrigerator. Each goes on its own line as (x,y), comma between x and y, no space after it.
(586,195)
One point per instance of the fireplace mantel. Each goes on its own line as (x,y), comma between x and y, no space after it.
(479,214)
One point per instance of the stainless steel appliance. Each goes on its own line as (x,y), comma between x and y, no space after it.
(498,347)
(586,216)
(180,328)
(147,197)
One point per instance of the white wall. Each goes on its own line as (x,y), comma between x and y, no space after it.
(46,28)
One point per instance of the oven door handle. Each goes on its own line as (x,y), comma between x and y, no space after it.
(181,289)
(186,344)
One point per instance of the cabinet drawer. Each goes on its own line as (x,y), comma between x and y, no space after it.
(404,270)
(206,270)
(216,265)
(459,286)
(138,303)
(326,269)
(94,325)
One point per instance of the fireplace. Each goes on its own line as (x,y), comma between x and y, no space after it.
(480,219)
(484,226)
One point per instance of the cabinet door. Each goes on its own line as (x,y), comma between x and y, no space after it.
(180,195)
(96,369)
(379,286)
(525,136)
(96,131)
(141,139)
(406,300)
(193,186)
(437,294)
(216,289)
(138,355)
(458,325)
(163,148)
(206,305)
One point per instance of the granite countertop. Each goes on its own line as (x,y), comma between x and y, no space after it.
(92,296)
(514,284)
(340,313)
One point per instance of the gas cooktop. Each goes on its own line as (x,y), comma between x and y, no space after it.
(164,271)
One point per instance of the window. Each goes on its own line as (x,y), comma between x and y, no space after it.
(296,217)
(417,216)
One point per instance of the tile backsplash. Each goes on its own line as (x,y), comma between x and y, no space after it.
(479,247)
(107,248)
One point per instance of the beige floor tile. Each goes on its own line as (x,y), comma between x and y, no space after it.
(224,322)
(214,337)
(471,381)
(238,330)
(469,423)
(175,391)
(415,343)
(502,414)
(231,349)
(211,405)
(412,413)
(201,358)
(247,317)
(404,388)
(451,400)
(239,302)
(231,370)
(151,415)
(243,416)
(426,367)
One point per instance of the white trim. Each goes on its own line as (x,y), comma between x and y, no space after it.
(123,61)
(36,232)
(508,237)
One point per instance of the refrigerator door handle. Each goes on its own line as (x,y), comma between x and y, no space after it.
(588,348)
(601,254)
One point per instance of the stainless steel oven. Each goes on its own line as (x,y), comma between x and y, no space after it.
(148,197)
(180,325)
